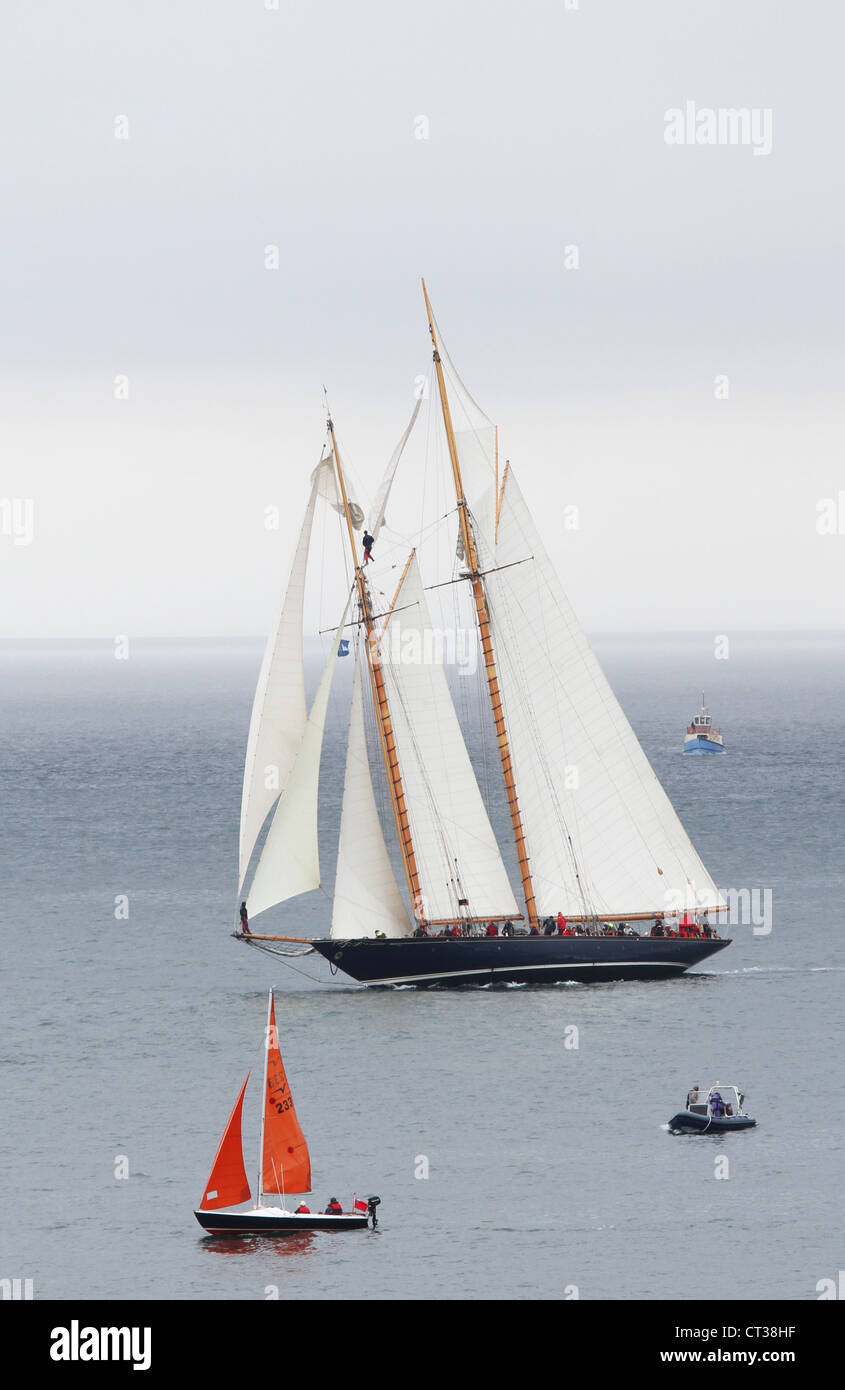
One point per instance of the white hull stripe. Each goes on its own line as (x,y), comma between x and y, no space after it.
(504,969)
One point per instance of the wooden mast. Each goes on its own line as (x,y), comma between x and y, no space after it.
(484,628)
(385,725)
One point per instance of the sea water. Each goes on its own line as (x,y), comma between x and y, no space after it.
(516,1136)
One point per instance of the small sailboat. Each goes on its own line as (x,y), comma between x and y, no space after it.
(284,1167)
(593,834)
(702,736)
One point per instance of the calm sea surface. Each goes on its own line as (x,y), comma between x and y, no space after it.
(548,1166)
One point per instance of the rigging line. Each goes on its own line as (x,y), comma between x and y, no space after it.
(464,578)
(357,622)
(403,543)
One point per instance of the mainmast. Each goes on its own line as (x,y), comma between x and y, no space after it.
(385,725)
(267,1043)
(480,597)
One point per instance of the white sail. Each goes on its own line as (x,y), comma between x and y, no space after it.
(290,863)
(589,799)
(455,848)
(324,478)
(366,894)
(279,711)
(380,504)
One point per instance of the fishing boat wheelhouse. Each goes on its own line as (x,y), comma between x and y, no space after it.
(702,736)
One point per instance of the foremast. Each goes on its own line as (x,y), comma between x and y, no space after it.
(381,705)
(480,597)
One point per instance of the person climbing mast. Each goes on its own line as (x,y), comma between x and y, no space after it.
(369,542)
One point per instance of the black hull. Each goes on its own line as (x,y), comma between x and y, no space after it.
(685,1123)
(245,1223)
(514,960)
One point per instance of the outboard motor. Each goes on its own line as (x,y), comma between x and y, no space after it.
(372,1203)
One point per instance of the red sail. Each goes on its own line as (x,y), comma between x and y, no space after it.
(227,1184)
(286,1166)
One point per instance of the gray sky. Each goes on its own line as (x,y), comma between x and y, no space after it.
(297,127)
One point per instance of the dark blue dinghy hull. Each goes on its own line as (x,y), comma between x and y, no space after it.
(686,1123)
(235,1223)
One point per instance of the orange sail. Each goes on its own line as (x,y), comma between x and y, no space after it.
(285,1164)
(227,1184)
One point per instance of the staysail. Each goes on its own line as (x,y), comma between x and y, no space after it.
(227,1184)
(279,711)
(456,851)
(601,833)
(285,1162)
(290,863)
(366,895)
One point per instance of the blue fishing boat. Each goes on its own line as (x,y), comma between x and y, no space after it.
(701,735)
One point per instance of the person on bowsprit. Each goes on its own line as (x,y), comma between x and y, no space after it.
(245,921)
(369,542)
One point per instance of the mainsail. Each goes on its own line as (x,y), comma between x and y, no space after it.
(366,895)
(460,867)
(290,863)
(285,1161)
(601,833)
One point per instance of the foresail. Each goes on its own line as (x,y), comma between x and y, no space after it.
(456,851)
(601,834)
(279,712)
(227,1184)
(366,894)
(289,863)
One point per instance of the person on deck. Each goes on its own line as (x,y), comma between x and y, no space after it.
(561,924)
(507,929)
(302,1210)
(549,928)
(369,542)
(533,930)
(334,1208)
(245,921)
(492,929)
(421,931)
(693,1097)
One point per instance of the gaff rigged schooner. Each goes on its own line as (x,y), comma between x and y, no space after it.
(597,842)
